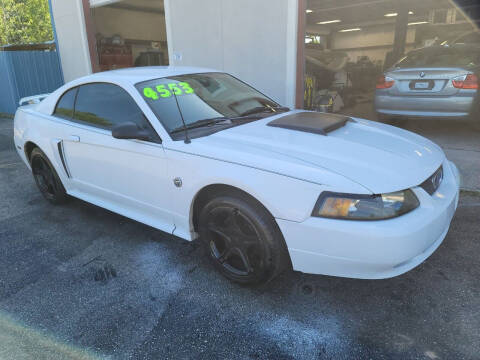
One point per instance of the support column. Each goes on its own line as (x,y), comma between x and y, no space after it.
(90,29)
(71,38)
(300,86)
(401,27)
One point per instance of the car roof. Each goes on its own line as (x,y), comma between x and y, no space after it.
(139,74)
(123,77)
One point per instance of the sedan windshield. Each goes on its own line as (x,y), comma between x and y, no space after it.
(203,100)
(441,57)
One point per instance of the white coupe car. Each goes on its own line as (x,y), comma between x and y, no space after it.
(198,153)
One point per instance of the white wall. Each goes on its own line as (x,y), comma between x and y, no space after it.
(251,39)
(72,38)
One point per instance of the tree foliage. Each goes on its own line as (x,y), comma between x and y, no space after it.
(24,22)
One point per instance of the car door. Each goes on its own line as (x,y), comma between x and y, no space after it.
(126,176)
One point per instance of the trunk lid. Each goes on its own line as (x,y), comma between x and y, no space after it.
(425,81)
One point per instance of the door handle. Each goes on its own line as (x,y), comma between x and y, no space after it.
(74,138)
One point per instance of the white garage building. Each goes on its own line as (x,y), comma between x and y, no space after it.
(254,40)
(275,45)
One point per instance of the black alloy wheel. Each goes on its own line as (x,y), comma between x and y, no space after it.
(242,240)
(46,178)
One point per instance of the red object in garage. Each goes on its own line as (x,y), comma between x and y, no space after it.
(115,57)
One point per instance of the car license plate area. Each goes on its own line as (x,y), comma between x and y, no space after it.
(422,85)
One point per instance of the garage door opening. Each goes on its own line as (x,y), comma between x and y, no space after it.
(129,33)
(351,45)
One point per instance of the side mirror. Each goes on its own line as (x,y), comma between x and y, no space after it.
(130,130)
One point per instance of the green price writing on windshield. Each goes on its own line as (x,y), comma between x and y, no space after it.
(168,90)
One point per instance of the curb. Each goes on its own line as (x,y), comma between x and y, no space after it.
(470,192)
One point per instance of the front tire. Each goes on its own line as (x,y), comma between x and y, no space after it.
(242,239)
(46,178)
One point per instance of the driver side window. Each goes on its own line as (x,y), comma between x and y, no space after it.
(105,106)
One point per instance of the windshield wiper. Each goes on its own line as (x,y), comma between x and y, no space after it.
(261,109)
(235,118)
(214,121)
(199,124)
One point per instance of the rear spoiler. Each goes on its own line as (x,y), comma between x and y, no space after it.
(32,99)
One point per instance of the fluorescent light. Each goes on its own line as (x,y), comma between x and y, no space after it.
(418,23)
(328,22)
(396,14)
(308,11)
(348,30)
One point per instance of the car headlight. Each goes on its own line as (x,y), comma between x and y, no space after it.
(365,207)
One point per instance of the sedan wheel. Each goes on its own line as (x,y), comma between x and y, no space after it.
(242,240)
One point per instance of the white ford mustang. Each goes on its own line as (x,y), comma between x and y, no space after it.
(198,153)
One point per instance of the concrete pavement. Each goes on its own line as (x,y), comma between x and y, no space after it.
(158,298)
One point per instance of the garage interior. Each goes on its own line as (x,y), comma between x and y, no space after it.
(348,44)
(130,33)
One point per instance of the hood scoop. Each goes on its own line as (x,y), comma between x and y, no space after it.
(311,122)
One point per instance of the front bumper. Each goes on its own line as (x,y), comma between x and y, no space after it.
(374,249)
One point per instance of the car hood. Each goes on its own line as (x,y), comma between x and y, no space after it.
(379,157)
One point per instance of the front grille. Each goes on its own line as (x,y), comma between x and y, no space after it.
(432,184)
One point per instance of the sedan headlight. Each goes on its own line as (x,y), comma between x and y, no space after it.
(365,207)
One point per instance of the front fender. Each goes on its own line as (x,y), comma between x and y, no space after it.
(284,197)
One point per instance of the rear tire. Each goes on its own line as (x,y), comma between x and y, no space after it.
(242,239)
(47,178)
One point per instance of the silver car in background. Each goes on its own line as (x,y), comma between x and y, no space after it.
(433,82)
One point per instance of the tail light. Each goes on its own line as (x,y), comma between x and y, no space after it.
(385,82)
(469,81)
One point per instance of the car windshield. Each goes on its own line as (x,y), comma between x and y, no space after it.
(441,57)
(202,97)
